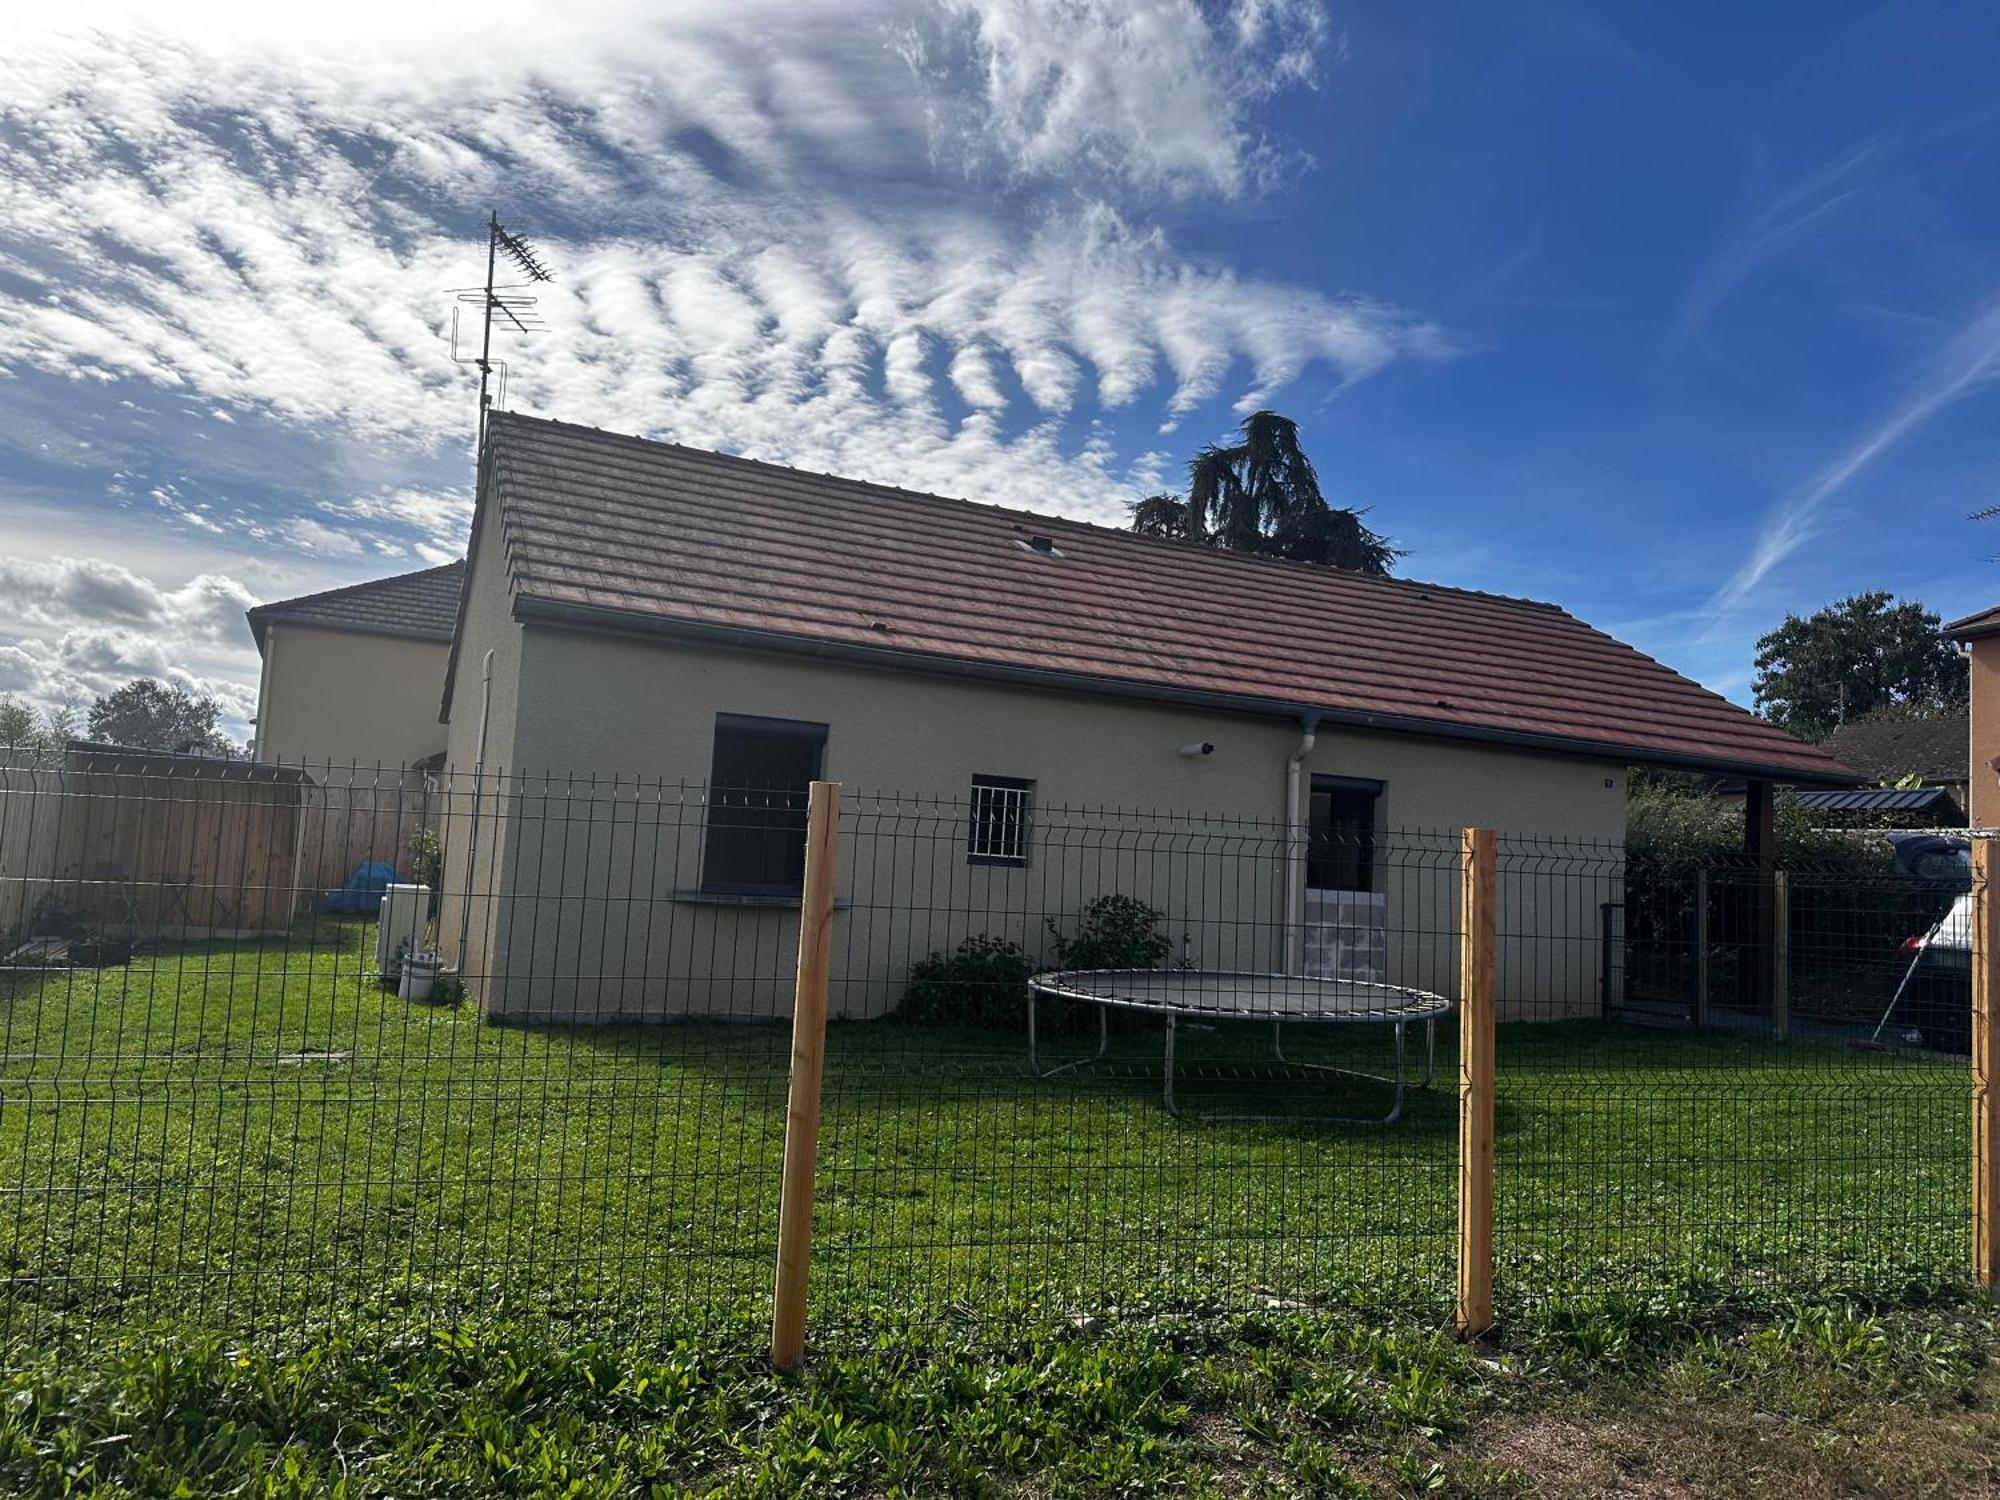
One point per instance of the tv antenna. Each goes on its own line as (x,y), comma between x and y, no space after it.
(511,302)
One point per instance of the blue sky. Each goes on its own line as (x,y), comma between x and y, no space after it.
(1680,316)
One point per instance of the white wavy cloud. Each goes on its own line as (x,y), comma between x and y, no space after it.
(1161,94)
(747,258)
(898,240)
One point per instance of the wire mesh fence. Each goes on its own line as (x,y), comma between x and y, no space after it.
(1780,1091)
(282,1045)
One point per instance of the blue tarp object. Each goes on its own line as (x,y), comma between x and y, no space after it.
(363,892)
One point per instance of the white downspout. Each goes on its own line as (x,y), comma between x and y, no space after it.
(478,791)
(485,709)
(1295,848)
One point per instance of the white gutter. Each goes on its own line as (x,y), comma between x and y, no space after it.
(1295,848)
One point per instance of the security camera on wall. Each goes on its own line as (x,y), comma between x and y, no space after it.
(1196,749)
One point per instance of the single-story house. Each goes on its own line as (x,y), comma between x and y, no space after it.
(352,675)
(1979,634)
(636,608)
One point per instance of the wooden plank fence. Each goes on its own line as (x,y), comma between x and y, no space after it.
(155,845)
(356,816)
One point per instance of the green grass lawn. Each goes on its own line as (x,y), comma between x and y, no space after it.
(246,1136)
(1609,1394)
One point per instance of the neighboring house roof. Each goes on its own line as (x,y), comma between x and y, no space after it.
(102,755)
(622,534)
(1972,627)
(421,606)
(1877,799)
(1938,750)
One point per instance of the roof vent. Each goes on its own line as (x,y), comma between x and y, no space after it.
(1046,545)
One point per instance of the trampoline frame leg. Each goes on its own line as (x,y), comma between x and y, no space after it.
(1396,1083)
(1103,1044)
(1430,1055)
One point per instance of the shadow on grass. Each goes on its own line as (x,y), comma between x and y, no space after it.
(897,1068)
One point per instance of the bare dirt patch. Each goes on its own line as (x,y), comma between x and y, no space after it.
(1640,1444)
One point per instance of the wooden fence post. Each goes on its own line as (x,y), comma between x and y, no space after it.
(1781,955)
(795,1207)
(1701,950)
(1475,1084)
(1986,1061)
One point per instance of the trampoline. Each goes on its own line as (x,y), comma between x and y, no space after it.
(1210,996)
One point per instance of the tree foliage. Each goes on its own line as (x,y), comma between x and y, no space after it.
(22,727)
(1867,655)
(1261,495)
(148,714)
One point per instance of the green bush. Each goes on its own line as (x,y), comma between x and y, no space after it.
(1114,932)
(981,982)
(1673,828)
(984,980)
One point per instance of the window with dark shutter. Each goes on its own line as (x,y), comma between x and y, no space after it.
(1340,842)
(757,786)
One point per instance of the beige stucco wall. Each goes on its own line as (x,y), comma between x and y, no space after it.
(348,696)
(1985,808)
(587,925)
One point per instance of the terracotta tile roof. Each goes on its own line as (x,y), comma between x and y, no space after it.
(1986,622)
(621,533)
(422,606)
(1939,750)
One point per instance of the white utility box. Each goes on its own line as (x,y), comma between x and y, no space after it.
(406,911)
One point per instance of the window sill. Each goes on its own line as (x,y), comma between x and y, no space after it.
(743,898)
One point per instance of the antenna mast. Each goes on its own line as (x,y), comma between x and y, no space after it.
(510,301)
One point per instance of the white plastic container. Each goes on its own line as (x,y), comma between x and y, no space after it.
(406,912)
(420,972)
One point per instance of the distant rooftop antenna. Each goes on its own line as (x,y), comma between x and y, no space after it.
(511,302)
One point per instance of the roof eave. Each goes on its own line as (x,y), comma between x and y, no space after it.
(528,608)
(1974,626)
(260,621)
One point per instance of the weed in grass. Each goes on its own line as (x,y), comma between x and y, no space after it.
(1425,1399)
(1259,1419)
(1418,1476)
(1332,1403)
(1319,1470)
